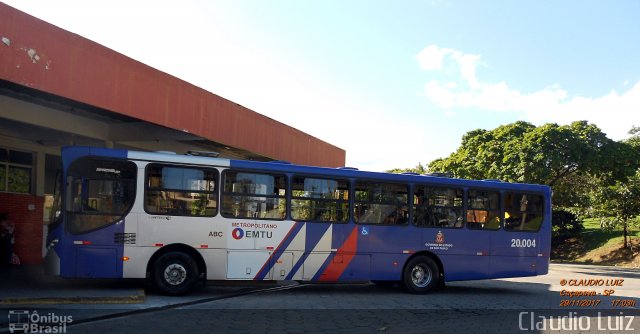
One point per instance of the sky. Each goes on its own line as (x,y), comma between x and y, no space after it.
(394,83)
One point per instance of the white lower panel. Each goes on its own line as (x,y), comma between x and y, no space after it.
(246,264)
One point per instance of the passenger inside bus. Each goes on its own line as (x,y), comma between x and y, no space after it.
(397,217)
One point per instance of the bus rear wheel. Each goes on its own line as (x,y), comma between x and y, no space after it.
(421,275)
(174,273)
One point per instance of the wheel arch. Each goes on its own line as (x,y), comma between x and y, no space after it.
(433,256)
(192,252)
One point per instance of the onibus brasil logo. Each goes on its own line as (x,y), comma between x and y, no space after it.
(23,321)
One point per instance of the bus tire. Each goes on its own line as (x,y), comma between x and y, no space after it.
(174,273)
(421,275)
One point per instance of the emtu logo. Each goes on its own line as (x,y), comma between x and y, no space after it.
(237,233)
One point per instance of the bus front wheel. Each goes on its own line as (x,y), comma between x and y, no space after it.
(174,273)
(421,275)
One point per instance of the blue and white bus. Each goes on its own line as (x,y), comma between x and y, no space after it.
(177,219)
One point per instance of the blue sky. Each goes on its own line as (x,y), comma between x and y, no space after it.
(394,83)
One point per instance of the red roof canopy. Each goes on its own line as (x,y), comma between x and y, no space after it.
(41,56)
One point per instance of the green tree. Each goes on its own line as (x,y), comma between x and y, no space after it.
(634,140)
(548,154)
(574,191)
(420,169)
(620,202)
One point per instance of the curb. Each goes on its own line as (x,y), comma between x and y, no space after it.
(137,298)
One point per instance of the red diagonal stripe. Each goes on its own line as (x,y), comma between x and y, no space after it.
(347,252)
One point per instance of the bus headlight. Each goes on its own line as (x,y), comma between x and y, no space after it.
(53,243)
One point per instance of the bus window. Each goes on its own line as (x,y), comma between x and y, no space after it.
(321,200)
(381,203)
(99,193)
(254,196)
(181,191)
(483,210)
(437,207)
(523,212)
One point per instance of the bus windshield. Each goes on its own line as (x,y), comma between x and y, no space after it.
(99,193)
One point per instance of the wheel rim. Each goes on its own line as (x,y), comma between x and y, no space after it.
(175,274)
(420,276)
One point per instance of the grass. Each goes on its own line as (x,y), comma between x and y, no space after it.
(597,246)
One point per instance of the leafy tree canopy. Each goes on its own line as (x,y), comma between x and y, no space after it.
(620,202)
(548,154)
(420,169)
(635,137)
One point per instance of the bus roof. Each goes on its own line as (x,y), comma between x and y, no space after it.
(385,177)
(76,151)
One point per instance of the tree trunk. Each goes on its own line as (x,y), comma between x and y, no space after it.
(624,233)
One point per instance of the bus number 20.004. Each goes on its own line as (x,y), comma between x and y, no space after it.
(523,243)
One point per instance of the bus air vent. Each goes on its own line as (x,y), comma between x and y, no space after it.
(348,168)
(440,174)
(208,154)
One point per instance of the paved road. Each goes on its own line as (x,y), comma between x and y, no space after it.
(491,306)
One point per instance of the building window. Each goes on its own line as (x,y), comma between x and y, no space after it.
(249,195)
(381,203)
(16,169)
(181,191)
(319,200)
(437,207)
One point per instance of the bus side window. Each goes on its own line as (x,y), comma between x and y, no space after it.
(381,203)
(523,212)
(248,195)
(483,210)
(319,200)
(181,191)
(437,207)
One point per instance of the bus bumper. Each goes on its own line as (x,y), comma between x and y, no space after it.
(542,267)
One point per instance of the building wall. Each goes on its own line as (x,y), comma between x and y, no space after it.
(29,237)
(42,56)
(26,212)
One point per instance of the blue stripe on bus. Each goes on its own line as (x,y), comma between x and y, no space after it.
(297,266)
(277,253)
(315,232)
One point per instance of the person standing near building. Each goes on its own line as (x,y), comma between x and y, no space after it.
(7,229)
